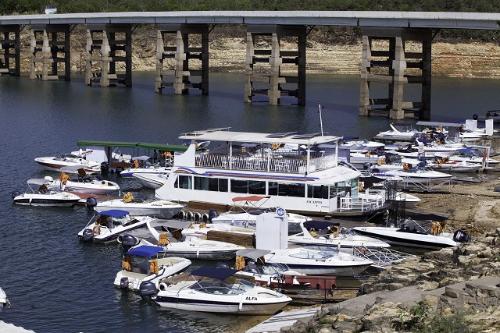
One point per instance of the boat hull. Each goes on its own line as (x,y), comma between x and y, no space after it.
(220,307)
(406,242)
(46,202)
(329,270)
(165,213)
(203,255)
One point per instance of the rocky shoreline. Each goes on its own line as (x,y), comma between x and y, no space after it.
(327,53)
(441,287)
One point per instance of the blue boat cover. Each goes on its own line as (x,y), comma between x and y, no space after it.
(319,225)
(114,213)
(145,251)
(220,273)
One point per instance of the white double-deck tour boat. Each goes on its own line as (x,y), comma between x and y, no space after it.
(305,178)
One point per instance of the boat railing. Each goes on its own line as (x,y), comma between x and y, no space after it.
(360,204)
(277,164)
(281,165)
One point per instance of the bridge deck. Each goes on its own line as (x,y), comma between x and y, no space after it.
(386,19)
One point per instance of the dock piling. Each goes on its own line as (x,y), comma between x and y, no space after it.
(109,55)
(275,68)
(50,47)
(182,43)
(386,59)
(10,48)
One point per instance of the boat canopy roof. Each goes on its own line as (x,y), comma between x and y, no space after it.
(117,213)
(250,198)
(253,254)
(270,138)
(37,181)
(220,273)
(140,158)
(145,251)
(121,144)
(438,124)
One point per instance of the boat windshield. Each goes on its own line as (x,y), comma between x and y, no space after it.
(218,287)
(316,255)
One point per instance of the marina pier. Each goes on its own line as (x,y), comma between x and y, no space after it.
(109,51)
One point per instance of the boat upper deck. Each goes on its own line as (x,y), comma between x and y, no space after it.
(224,134)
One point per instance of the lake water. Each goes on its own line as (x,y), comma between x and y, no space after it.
(57,284)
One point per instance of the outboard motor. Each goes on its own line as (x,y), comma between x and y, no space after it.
(88,235)
(15,194)
(91,202)
(212,213)
(124,282)
(127,241)
(461,236)
(104,169)
(147,290)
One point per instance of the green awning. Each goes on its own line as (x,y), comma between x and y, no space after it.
(121,144)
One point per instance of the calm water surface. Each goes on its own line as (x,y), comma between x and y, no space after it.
(57,284)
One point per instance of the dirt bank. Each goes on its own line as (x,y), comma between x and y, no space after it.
(324,55)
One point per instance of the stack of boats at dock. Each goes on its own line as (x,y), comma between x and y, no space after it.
(310,174)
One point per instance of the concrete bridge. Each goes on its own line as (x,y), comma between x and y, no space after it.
(109,43)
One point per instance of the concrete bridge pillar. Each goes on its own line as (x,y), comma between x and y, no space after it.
(50,52)
(109,55)
(396,58)
(280,71)
(10,50)
(177,46)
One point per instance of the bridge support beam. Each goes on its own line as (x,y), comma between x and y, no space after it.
(396,58)
(109,55)
(177,45)
(276,68)
(50,52)
(10,50)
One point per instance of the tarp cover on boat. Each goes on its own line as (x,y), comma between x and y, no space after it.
(117,213)
(319,225)
(253,254)
(145,251)
(220,273)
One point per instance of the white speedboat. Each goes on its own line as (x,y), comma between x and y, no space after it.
(55,163)
(196,248)
(202,249)
(364,158)
(417,175)
(212,292)
(152,181)
(409,199)
(417,237)
(108,225)
(85,185)
(4,301)
(156,208)
(396,135)
(151,170)
(248,218)
(322,233)
(135,271)
(319,262)
(200,230)
(42,197)
(361,146)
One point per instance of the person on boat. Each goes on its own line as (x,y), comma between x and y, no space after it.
(43,189)
(155,156)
